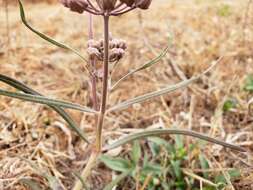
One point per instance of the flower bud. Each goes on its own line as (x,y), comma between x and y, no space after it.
(93,53)
(143,4)
(107,4)
(128,2)
(94,44)
(116,54)
(122,44)
(75,5)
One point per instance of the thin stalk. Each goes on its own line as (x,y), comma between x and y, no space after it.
(105,85)
(92,62)
(98,146)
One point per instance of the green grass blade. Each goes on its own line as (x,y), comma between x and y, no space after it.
(145,66)
(157,132)
(46,101)
(43,36)
(20,86)
(169,89)
(117,180)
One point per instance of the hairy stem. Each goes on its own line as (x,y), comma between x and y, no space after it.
(98,146)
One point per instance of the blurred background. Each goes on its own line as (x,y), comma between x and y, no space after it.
(197,32)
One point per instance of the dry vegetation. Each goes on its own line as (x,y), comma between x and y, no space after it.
(200,31)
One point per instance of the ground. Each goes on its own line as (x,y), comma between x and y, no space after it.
(198,32)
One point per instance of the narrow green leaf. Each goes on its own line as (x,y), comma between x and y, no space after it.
(43,36)
(116,164)
(233,173)
(161,142)
(249,83)
(20,86)
(176,166)
(119,178)
(136,152)
(204,165)
(157,132)
(31,184)
(169,89)
(151,168)
(179,142)
(46,101)
(145,66)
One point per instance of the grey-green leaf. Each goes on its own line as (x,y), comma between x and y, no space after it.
(46,101)
(116,164)
(158,132)
(136,152)
(43,36)
(145,66)
(20,86)
(168,89)
(204,165)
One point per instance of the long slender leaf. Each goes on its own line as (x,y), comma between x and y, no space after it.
(158,93)
(157,132)
(43,36)
(145,66)
(117,180)
(20,86)
(46,101)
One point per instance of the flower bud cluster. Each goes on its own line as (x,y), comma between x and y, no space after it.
(117,48)
(105,7)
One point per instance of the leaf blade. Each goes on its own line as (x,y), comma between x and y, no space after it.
(168,89)
(43,36)
(20,86)
(46,101)
(157,132)
(116,164)
(145,66)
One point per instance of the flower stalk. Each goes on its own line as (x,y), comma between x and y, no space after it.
(100,122)
(105,85)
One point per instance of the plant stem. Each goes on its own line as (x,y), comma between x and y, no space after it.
(98,146)
(92,62)
(105,85)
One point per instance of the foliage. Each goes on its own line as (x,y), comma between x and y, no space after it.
(229,104)
(159,164)
(249,84)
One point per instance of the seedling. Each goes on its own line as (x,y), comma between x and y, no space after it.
(108,52)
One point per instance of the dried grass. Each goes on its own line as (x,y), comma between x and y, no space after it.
(199,36)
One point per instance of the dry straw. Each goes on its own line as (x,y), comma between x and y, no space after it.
(106,51)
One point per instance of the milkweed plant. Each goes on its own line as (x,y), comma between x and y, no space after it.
(106,51)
